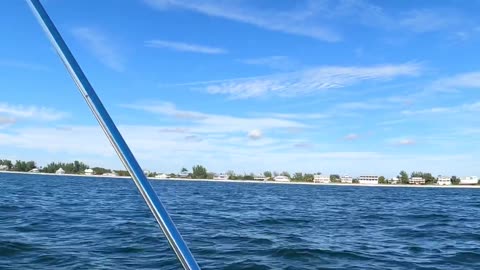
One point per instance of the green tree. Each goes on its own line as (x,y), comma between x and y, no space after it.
(308,177)
(297,177)
(100,170)
(7,163)
(199,172)
(122,173)
(381,180)
(334,178)
(267,174)
(455,180)
(284,173)
(403,177)
(184,170)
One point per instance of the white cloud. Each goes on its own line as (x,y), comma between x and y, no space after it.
(255,134)
(464,80)
(184,47)
(101,46)
(467,107)
(300,116)
(307,81)
(274,62)
(422,21)
(22,65)
(216,123)
(31,112)
(351,137)
(404,142)
(287,21)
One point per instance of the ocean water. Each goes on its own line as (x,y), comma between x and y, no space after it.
(60,222)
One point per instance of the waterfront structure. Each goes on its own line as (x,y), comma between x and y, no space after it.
(444,180)
(220,177)
(416,181)
(88,172)
(368,179)
(110,174)
(3,168)
(281,178)
(161,176)
(469,180)
(260,178)
(346,179)
(60,171)
(393,180)
(321,178)
(34,170)
(183,175)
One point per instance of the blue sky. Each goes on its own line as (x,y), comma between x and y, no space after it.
(348,87)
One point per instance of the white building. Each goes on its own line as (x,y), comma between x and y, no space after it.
(3,167)
(88,172)
(60,171)
(444,180)
(393,180)
(281,178)
(416,181)
(220,177)
(368,179)
(321,178)
(469,180)
(346,179)
(34,170)
(112,174)
(161,176)
(260,178)
(183,175)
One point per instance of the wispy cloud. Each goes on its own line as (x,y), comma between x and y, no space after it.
(255,134)
(424,20)
(106,50)
(467,107)
(351,137)
(22,65)
(184,47)
(30,112)
(404,142)
(273,62)
(307,81)
(287,21)
(299,115)
(216,123)
(459,81)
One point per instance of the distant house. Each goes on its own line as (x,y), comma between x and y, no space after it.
(444,180)
(281,178)
(393,180)
(161,176)
(469,180)
(321,178)
(34,170)
(416,181)
(89,172)
(3,168)
(368,179)
(221,176)
(113,174)
(183,175)
(260,178)
(60,171)
(146,172)
(346,179)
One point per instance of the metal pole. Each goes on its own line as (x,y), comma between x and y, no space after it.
(158,210)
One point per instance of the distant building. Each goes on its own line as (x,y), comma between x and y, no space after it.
(146,172)
(393,180)
(60,171)
(112,174)
(34,170)
(368,179)
(281,178)
(183,175)
(346,179)
(88,172)
(469,180)
(221,176)
(444,180)
(161,176)
(416,181)
(321,178)
(260,178)
(3,168)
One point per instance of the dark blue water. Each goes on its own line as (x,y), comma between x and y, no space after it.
(58,222)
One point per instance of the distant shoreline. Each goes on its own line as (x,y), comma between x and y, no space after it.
(255,181)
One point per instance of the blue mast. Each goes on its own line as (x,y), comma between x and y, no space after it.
(126,156)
